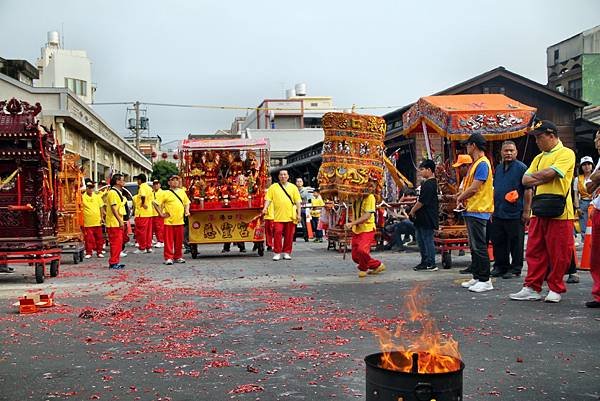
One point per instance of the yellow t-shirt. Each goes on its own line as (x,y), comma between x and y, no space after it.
(173,206)
(283,209)
(562,160)
(317,204)
(155,196)
(360,207)
(92,205)
(146,191)
(136,205)
(112,199)
(270,215)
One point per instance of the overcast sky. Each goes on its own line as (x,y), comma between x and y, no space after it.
(368,53)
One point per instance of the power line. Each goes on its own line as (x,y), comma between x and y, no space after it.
(225,107)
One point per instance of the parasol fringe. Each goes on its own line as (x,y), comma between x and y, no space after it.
(396,175)
(457,137)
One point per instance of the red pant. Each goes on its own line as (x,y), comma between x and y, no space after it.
(549,252)
(173,242)
(143,232)
(361,251)
(93,238)
(115,240)
(283,232)
(158,227)
(595,255)
(269,232)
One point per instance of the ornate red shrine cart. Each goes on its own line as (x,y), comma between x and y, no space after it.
(439,123)
(30,160)
(226,183)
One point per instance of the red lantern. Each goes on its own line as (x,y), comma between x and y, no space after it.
(164,155)
(175,156)
(154,154)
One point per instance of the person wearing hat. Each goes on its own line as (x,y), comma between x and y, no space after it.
(550,240)
(478,200)
(582,197)
(143,215)
(115,212)
(463,162)
(94,213)
(173,205)
(158,223)
(593,187)
(512,208)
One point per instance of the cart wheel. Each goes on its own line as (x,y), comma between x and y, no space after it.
(81,255)
(446,260)
(75,258)
(54,268)
(39,273)
(261,249)
(194,250)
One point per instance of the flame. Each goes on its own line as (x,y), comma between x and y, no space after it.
(435,351)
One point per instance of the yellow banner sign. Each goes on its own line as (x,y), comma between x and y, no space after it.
(214,226)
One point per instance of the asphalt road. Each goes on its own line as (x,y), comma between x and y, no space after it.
(240,326)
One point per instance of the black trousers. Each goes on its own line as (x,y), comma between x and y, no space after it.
(508,238)
(480,261)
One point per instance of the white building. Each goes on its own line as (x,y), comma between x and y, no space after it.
(290,124)
(61,68)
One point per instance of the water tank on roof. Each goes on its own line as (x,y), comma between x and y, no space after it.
(53,38)
(290,93)
(301,89)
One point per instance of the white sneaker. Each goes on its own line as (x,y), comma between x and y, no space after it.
(467,284)
(552,297)
(123,254)
(169,262)
(526,294)
(136,245)
(287,256)
(276,256)
(159,245)
(137,251)
(149,250)
(87,256)
(100,255)
(482,286)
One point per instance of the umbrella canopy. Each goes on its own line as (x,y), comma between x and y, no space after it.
(497,117)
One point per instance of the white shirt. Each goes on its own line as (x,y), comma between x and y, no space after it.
(596,195)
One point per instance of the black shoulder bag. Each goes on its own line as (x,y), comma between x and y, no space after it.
(549,205)
(127,214)
(291,200)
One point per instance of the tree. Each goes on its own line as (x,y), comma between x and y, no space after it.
(163,170)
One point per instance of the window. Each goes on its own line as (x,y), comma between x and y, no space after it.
(560,88)
(493,89)
(556,56)
(574,88)
(314,105)
(78,86)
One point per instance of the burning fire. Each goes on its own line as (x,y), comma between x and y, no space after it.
(429,350)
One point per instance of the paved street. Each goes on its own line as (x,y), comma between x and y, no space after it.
(244,327)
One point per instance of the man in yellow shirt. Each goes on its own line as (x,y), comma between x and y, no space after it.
(115,210)
(158,223)
(478,198)
(550,241)
(363,234)
(143,219)
(269,216)
(172,205)
(93,216)
(316,204)
(286,213)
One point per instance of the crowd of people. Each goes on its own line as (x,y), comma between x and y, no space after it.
(497,205)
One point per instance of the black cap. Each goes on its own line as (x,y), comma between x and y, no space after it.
(544,127)
(102,182)
(90,184)
(141,177)
(156,182)
(428,163)
(476,139)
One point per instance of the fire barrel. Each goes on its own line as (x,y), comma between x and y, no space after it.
(390,385)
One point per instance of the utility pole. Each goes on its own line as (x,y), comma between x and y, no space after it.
(136,106)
